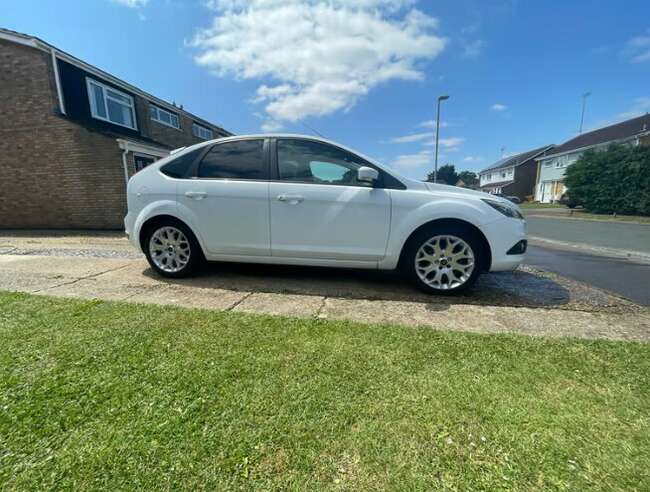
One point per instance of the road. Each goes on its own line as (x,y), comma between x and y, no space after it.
(624,277)
(615,235)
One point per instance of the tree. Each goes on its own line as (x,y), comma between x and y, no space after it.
(446,174)
(468,177)
(614,180)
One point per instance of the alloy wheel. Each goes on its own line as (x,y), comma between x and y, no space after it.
(444,262)
(169,249)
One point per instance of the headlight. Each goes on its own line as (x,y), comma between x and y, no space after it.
(506,210)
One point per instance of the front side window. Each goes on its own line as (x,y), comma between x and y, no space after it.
(315,162)
(242,159)
(201,132)
(163,116)
(111,105)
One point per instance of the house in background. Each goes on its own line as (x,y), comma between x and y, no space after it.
(514,175)
(71,135)
(552,166)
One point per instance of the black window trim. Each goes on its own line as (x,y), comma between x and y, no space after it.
(275,166)
(194,168)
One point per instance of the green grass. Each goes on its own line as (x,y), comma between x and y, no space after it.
(540,205)
(97,395)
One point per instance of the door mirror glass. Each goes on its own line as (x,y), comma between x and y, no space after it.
(367,174)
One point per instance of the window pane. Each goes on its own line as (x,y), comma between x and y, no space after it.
(174,120)
(153,112)
(315,162)
(119,113)
(237,160)
(179,167)
(98,98)
(164,117)
(118,96)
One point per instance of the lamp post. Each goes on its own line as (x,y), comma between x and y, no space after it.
(435,165)
(584,103)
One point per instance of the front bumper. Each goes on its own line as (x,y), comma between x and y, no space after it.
(503,235)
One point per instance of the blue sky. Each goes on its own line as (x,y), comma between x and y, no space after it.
(366,73)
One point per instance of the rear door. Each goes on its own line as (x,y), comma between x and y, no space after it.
(228,195)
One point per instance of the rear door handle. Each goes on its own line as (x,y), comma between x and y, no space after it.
(292,199)
(196,195)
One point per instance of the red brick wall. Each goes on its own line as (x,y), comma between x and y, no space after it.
(55,174)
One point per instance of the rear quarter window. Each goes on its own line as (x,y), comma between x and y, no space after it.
(182,165)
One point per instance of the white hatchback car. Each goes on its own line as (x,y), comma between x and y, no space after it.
(300,200)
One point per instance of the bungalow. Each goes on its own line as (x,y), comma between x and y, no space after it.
(513,175)
(552,166)
(72,134)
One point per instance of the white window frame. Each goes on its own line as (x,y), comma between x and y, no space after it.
(93,106)
(170,113)
(197,133)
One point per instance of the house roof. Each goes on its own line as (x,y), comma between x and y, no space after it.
(34,42)
(497,183)
(516,160)
(618,131)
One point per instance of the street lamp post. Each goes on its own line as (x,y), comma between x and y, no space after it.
(435,165)
(584,103)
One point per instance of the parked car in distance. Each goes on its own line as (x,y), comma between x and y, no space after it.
(513,199)
(301,200)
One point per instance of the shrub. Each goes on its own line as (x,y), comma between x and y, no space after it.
(614,180)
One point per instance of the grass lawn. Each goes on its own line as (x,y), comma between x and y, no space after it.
(97,395)
(540,205)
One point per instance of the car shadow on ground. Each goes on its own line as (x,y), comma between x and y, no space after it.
(518,288)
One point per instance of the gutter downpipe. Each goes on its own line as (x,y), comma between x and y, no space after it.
(124,145)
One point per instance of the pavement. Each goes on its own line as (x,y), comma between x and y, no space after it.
(528,301)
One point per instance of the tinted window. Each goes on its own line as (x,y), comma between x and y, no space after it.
(242,159)
(314,162)
(179,167)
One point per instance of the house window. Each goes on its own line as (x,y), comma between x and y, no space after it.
(163,116)
(201,132)
(111,105)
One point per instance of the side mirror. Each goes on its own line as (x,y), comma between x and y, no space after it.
(367,174)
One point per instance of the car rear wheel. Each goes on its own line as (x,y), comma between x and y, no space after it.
(443,260)
(171,249)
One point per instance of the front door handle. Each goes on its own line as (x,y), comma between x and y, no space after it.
(196,195)
(292,199)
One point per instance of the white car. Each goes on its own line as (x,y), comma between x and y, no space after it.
(300,200)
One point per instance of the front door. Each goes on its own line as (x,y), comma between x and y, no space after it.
(229,198)
(320,210)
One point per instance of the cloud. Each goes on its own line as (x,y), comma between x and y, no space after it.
(133,4)
(450,144)
(472,158)
(637,49)
(640,107)
(271,126)
(471,49)
(410,161)
(498,107)
(312,57)
(416,137)
(432,124)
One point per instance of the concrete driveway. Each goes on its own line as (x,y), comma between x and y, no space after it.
(105,266)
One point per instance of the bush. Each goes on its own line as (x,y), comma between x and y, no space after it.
(615,180)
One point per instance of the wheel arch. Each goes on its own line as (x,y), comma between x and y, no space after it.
(442,222)
(161,218)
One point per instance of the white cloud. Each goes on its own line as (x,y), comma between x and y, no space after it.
(416,137)
(637,49)
(132,3)
(472,158)
(640,107)
(313,57)
(471,49)
(498,107)
(432,124)
(271,126)
(450,144)
(410,161)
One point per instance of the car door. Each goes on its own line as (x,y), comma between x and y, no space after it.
(318,207)
(228,196)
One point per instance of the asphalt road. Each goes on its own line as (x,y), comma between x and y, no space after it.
(616,235)
(620,276)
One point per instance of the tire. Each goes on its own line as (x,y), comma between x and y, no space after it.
(430,245)
(180,253)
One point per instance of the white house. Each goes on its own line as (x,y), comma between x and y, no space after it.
(551,167)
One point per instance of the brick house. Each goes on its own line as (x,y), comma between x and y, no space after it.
(71,135)
(514,175)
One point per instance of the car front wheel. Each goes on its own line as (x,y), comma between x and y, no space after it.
(172,249)
(443,261)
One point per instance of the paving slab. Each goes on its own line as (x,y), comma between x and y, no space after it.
(281,304)
(194,297)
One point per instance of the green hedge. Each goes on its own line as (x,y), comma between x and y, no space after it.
(615,180)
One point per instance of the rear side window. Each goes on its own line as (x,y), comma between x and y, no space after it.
(243,159)
(181,166)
